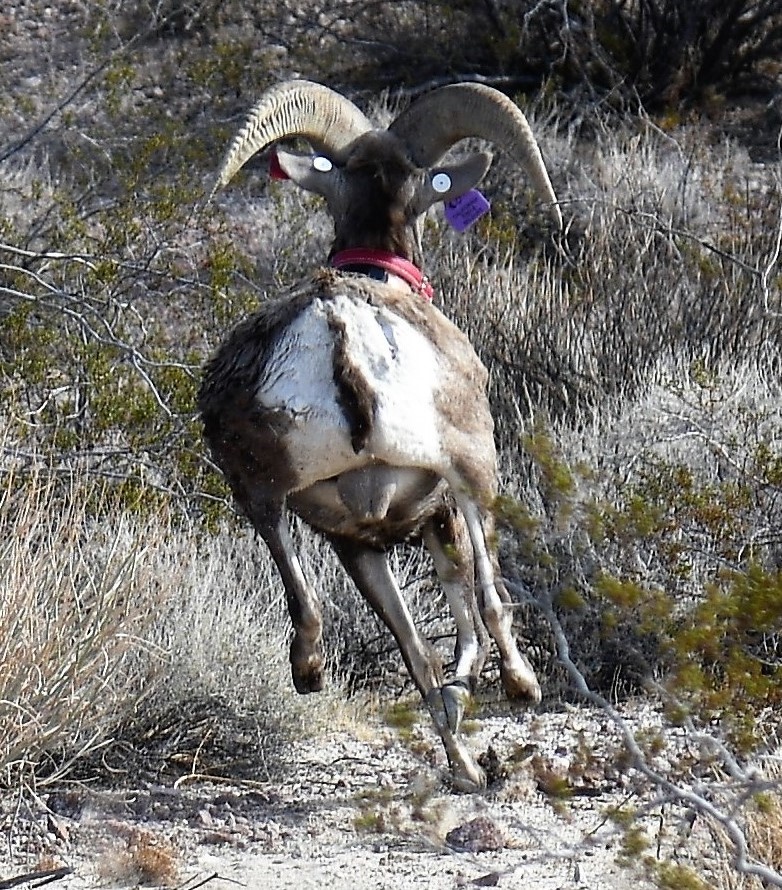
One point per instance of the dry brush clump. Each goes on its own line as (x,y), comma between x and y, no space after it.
(133,855)
(222,700)
(671,260)
(762,821)
(137,643)
(74,613)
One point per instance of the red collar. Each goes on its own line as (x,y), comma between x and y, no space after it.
(397,265)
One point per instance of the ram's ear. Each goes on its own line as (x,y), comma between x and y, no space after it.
(315,173)
(451,181)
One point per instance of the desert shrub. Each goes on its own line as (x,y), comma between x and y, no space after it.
(667,265)
(663,52)
(74,614)
(764,830)
(671,51)
(139,644)
(658,547)
(101,344)
(220,698)
(171,18)
(700,517)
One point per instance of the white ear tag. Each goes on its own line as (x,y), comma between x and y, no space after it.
(441,182)
(321,164)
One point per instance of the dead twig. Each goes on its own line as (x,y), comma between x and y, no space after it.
(43,877)
(691,798)
(215,876)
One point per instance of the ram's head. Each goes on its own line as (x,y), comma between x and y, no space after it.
(379,182)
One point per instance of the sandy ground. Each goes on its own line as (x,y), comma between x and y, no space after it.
(369,808)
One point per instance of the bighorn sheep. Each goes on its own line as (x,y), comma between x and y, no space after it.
(354,402)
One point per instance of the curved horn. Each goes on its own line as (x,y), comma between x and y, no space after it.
(438,120)
(294,108)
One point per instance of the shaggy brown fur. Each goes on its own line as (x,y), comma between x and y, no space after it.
(247,440)
(353,393)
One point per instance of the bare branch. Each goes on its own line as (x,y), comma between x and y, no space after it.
(743,863)
(43,877)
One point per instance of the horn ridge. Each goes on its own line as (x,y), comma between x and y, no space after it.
(441,118)
(294,108)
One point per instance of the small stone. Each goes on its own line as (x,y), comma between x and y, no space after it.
(489,880)
(479,835)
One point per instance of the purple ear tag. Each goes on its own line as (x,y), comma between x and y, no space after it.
(462,212)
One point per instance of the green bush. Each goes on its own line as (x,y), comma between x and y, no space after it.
(662,558)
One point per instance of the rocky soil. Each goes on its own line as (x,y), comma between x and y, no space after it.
(369,806)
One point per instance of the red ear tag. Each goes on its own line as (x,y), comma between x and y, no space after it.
(275,170)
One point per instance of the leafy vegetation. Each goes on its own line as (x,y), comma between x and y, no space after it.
(666,53)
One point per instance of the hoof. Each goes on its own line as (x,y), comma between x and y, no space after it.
(520,682)
(455,697)
(446,706)
(306,669)
(307,681)
(468,778)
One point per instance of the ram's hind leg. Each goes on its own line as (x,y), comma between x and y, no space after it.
(306,653)
(372,575)
(495,606)
(448,542)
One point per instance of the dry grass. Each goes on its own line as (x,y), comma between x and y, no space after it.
(763,827)
(74,614)
(223,701)
(138,856)
(764,831)
(664,266)
(142,633)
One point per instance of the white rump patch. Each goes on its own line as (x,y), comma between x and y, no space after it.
(398,365)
